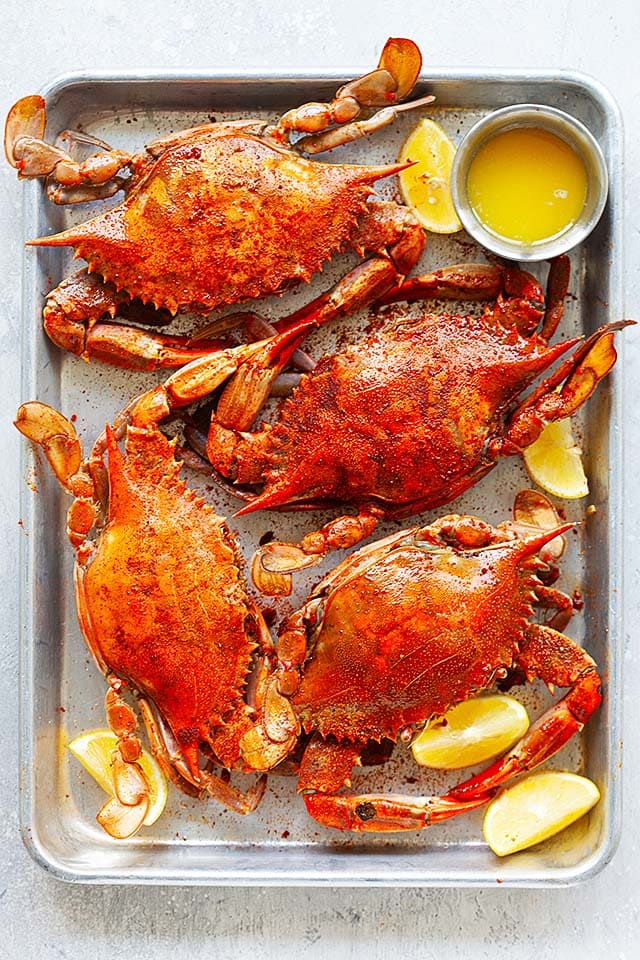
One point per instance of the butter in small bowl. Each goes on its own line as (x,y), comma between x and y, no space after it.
(529,182)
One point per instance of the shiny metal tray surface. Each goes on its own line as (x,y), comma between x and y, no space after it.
(62,693)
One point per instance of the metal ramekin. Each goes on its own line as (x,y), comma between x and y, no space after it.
(572,132)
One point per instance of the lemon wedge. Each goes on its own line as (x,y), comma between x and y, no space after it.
(471,732)
(425,186)
(554,462)
(94,750)
(535,809)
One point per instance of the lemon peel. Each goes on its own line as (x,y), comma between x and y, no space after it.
(425,186)
(471,732)
(537,808)
(94,750)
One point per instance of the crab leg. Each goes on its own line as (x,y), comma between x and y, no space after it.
(274,563)
(229,450)
(72,320)
(130,782)
(581,373)
(326,767)
(396,238)
(392,80)
(376,280)
(533,512)
(338,136)
(558,661)
(173,766)
(32,157)
(123,814)
(256,367)
(552,599)
(169,758)
(58,440)
(385,812)
(521,296)
(245,394)
(392,233)
(464,281)
(232,798)
(557,287)
(135,349)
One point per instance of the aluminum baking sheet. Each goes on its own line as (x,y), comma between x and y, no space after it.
(62,693)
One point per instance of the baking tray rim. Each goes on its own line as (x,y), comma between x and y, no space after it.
(561,877)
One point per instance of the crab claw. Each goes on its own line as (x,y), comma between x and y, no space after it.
(35,158)
(403,60)
(391,81)
(129,780)
(279,557)
(130,783)
(273,564)
(120,820)
(269,583)
(26,119)
(24,146)
(532,512)
(57,437)
(535,510)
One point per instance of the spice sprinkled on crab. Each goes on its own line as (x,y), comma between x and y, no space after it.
(392,636)
(403,629)
(409,417)
(161,600)
(218,214)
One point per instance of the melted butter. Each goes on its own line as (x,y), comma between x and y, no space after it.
(527,184)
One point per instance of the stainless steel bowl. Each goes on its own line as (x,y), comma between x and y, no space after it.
(568,129)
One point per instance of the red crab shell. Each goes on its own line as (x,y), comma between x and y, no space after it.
(222,218)
(401,418)
(413,633)
(162,597)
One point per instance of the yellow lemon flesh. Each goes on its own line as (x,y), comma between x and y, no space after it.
(94,750)
(535,809)
(471,732)
(554,462)
(425,186)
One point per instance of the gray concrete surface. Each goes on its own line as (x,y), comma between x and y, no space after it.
(42,918)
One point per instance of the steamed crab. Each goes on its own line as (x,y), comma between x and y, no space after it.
(218,214)
(161,602)
(403,629)
(410,416)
